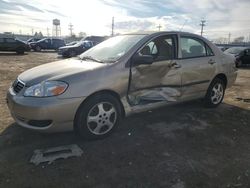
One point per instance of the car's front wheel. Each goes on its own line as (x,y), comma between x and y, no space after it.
(20,51)
(38,48)
(72,53)
(97,117)
(215,93)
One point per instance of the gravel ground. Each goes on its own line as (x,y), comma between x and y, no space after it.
(183,146)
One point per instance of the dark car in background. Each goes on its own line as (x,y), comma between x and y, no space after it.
(14,45)
(72,43)
(222,48)
(73,50)
(242,55)
(47,44)
(33,40)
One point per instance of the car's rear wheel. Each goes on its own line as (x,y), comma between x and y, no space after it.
(38,48)
(215,93)
(97,117)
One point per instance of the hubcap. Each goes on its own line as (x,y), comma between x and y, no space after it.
(217,93)
(101,118)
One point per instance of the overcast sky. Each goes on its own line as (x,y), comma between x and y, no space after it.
(94,16)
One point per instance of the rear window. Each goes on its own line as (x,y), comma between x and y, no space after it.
(234,50)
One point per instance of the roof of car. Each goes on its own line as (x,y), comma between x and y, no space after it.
(159,32)
(239,47)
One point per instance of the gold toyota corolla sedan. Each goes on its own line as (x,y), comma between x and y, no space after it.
(122,75)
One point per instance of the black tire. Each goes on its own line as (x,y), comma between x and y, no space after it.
(72,53)
(20,51)
(211,94)
(238,63)
(87,129)
(38,48)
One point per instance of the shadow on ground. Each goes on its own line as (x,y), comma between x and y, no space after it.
(178,147)
(12,54)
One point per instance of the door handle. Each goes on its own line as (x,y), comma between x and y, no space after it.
(211,62)
(175,65)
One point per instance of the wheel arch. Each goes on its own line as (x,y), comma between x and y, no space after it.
(101,92)
(223,77)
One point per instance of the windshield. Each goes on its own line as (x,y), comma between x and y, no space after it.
(80,43)
(19,40)
(41,40)
(112,49)
(234,50)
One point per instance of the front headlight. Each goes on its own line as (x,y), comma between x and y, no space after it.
(46,89)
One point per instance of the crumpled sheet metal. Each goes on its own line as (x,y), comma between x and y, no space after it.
(150,82)
(157,94)
(51,154)
(147,76)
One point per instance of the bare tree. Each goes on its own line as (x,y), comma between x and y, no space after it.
(239,39)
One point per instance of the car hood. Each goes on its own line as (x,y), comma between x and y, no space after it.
(57,70)
(32,43)
(68,47)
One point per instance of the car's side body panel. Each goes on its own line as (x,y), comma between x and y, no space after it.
(160,83)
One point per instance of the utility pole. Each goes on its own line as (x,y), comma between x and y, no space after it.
(202,24)
(229,37)
(71,29)
(32,31)
(47,32)
(159,27)
(112,26)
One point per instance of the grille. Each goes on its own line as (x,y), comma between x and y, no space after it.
(18,86)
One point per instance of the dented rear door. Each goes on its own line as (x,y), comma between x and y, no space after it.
(161,80)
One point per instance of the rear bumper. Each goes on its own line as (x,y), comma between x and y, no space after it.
(231,78)
(49,114)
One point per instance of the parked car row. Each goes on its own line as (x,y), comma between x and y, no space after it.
(37,44)
(76,49)
(47,43)
(242,55)
(13,45)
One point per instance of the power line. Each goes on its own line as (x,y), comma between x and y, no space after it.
(159,27)
(71,29)
(112,26)
(229,37)
(48,32)
(183,25)
(202,24)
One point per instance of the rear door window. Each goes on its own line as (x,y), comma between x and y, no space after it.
(9,40)
(191,47)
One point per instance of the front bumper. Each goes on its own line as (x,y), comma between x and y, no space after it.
(62,52)
(50,114)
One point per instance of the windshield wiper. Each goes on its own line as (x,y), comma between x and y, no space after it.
(91,58)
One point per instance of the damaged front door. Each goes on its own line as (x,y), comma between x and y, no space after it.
(159,80)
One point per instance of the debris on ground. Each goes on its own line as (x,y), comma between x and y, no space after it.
(51,154)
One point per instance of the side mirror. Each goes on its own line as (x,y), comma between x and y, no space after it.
(139,59)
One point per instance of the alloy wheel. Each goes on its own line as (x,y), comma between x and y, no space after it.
(217,93)
(101,118)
